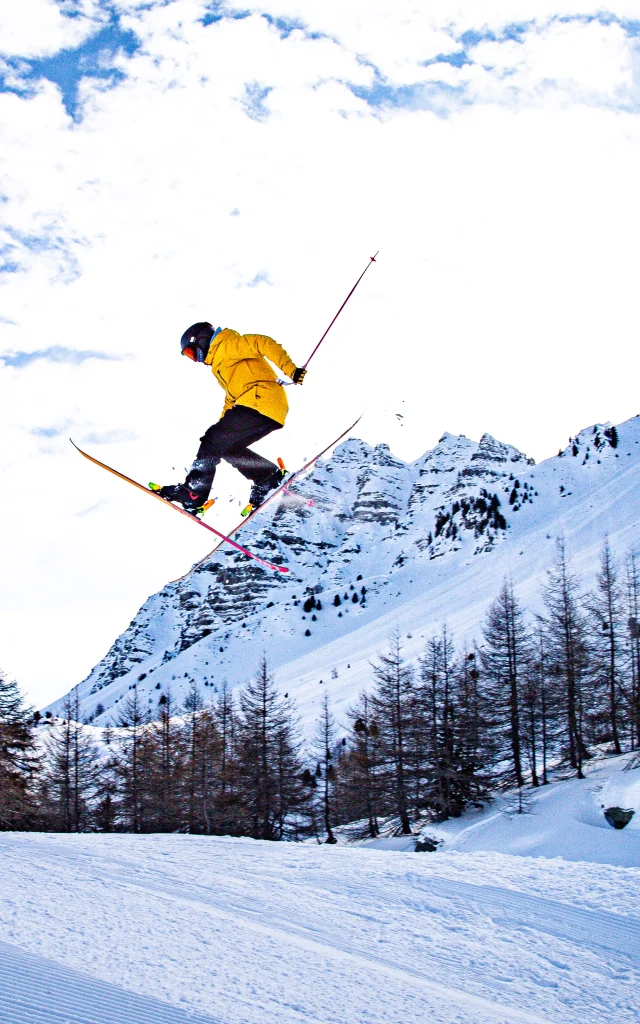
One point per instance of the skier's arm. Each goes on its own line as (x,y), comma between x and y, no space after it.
(266,346)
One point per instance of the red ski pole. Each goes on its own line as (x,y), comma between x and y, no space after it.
(372,259)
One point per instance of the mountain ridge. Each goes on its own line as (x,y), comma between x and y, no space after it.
(408,544)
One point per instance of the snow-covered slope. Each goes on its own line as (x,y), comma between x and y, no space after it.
(247,932)
(429,540)
(564,819)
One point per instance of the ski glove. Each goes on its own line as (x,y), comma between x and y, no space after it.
(299,374)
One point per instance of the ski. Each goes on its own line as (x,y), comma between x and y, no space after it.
(223,537)
(283,488)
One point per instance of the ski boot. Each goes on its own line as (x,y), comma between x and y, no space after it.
(259,492)
(181,494)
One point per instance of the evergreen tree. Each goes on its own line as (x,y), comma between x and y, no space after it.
(475,746)
(131,763)
(72,768)
(19,763)
(504,660)
(542,706)
(207,817)
(161,767)
(326,771)
(194,728)
(360,781)
(606,612)
(291,805)
(633,642)
(532,714)
(206,812)
(225,724)
(392,702)
(566,644)
(434,719)
(106,796)
(269,763)
(451,713)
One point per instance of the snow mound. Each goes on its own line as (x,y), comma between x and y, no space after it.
(564,819)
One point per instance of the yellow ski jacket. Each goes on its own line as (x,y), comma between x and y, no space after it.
(238,361)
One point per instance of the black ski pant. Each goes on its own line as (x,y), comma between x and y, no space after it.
(229,439)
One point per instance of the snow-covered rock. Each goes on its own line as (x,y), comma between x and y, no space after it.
(400,544)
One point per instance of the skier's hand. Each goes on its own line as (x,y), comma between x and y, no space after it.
(299,374)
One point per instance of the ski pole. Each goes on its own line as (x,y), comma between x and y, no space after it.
(372,259)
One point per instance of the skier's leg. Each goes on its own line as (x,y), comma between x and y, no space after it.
(252,466)
(228,439)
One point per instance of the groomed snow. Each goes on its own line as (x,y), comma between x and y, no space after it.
(35,990)
(248,932)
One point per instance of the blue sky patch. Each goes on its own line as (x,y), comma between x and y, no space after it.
(54,354)
(456,60)
(472,37)
(94,58)
(513,32)
(70,8)
(261,278)
(285,26)
(439,97)
(217,11)
(109,437)
(48,431)
(13,258)
(252,101)
(8,263)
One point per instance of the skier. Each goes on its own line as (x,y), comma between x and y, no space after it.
(255,404)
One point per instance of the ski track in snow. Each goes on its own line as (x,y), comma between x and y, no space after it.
(243,932)
(34,990)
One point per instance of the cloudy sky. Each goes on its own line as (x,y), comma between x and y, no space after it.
(175,160)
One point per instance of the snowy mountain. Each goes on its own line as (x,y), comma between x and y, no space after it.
(384,544)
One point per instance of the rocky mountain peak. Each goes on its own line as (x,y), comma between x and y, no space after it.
(491,451)
(377,526)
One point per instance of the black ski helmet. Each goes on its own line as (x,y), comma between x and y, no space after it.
(195,341)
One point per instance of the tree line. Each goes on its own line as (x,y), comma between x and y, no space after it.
(425,741)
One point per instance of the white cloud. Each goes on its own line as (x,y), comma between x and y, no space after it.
(39,28)
(506,277)
(584,61)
